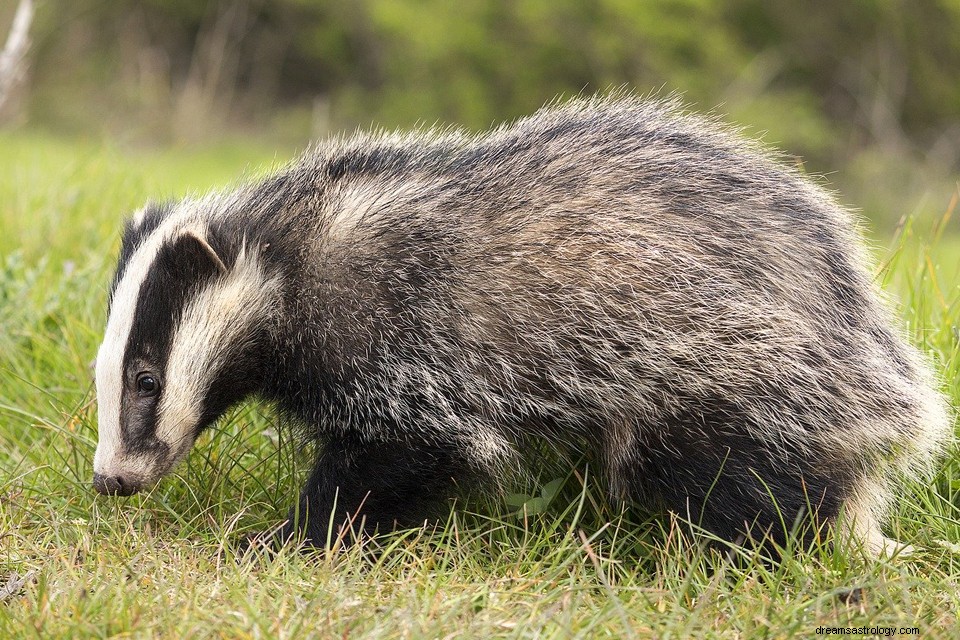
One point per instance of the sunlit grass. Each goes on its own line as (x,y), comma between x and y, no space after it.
(559,562)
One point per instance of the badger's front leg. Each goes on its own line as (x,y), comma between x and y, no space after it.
(367,487)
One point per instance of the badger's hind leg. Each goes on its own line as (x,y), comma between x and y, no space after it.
(858,523)
(735,486)
(362,487)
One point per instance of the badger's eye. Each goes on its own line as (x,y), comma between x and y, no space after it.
(147,384)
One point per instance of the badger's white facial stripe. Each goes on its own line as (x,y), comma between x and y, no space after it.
(109,369)
(213,322)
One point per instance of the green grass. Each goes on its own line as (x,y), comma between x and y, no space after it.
(161,564)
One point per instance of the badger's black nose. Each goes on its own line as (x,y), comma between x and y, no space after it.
(114,485)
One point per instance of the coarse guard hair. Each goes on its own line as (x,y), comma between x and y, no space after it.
(610,276)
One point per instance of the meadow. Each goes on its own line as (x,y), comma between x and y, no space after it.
(554,561)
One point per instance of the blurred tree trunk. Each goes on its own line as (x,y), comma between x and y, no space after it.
(206,99)
(13,58)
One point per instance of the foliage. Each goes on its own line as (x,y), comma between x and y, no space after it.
(475,61)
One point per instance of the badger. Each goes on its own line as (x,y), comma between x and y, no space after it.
(611,276)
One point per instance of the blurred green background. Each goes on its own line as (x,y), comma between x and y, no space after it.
(865,92)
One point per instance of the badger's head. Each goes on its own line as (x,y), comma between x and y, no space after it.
(185,339)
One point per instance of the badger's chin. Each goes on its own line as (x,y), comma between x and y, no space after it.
(131,475)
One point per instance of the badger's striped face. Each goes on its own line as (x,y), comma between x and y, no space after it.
(181,345)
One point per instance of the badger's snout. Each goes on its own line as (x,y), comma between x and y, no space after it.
(115,485)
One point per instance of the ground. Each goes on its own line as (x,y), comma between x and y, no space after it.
(558,562)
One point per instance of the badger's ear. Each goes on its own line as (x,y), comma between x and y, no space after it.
(193,244)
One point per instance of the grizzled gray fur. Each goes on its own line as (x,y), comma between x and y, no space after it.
(611,276)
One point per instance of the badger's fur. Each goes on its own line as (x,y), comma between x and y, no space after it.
(608,274)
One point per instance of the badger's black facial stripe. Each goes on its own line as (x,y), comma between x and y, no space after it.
(181,268)
(134,233)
